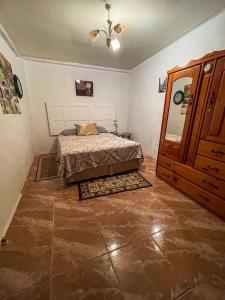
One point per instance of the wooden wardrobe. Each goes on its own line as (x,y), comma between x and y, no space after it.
(192,144)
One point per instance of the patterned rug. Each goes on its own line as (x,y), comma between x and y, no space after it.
(47,167)
(111,185)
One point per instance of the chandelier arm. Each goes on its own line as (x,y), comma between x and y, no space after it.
(102,30)
(110,29)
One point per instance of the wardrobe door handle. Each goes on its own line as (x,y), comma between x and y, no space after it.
(191,100)
(213,98)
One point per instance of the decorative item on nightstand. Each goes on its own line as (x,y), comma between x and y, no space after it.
(115,124)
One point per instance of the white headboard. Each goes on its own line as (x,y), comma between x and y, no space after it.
(62,117)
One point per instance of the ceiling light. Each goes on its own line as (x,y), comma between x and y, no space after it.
(119,28)
(115,44)
(94,34)
(110,40)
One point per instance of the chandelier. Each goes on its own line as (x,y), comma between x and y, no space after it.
(110,39)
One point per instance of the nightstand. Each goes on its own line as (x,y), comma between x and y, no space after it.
(125,135)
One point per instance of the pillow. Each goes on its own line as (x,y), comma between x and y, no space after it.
(71,131)
(101,129)
(86,129)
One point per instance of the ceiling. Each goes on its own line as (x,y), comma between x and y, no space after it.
(59,29)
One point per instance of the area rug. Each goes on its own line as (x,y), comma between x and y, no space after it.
(47,167)
(111,184)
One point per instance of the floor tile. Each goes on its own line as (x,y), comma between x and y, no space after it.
(75,242)
(212,289)
(193,255)
(145,273)
(93,281)
(40,292)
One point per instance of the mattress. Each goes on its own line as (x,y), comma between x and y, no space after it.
(77,154)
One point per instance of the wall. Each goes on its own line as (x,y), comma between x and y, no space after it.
(16,152)
(145,103)
(54,83)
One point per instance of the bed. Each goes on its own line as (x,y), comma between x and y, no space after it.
(85,157)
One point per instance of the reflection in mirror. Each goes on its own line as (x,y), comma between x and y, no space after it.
(180,96)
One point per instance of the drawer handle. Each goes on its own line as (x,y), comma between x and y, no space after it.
(210,184)
(168,176)
(204,198)
(218,152)
(175,179)
(167,164)
(210,168)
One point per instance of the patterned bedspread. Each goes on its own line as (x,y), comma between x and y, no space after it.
(78,153)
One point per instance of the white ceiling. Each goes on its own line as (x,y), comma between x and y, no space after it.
(59,29)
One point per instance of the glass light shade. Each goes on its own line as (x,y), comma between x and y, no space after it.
(94,34)
(119,28)
(115,44)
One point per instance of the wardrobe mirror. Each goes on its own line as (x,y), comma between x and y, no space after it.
(180,97)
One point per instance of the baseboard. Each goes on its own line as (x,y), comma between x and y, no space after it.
(3,233)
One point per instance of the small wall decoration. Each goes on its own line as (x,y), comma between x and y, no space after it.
(8,96)
(187,95)
(84,88)
(162,84)
(18,86)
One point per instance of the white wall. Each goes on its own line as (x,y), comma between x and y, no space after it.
(16,153)
(54,83)
(145,103)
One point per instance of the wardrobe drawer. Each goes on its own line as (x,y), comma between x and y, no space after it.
(165,174)
(210,183)
(210,166)
(201,196)
(212,150)
(166,162)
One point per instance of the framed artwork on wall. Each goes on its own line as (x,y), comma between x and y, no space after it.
(8,96)
(84,88)
(162,84)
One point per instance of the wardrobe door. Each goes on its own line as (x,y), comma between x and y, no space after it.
(214,122)
(180,97)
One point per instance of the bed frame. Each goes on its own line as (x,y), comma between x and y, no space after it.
(107,170)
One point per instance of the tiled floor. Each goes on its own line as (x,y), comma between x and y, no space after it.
(151,243)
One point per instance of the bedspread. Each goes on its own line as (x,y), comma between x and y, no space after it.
(78,153)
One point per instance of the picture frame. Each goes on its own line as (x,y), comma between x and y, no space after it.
(84,88)
(8,98)
(162,84)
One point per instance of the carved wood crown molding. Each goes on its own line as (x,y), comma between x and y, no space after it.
(193,62)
